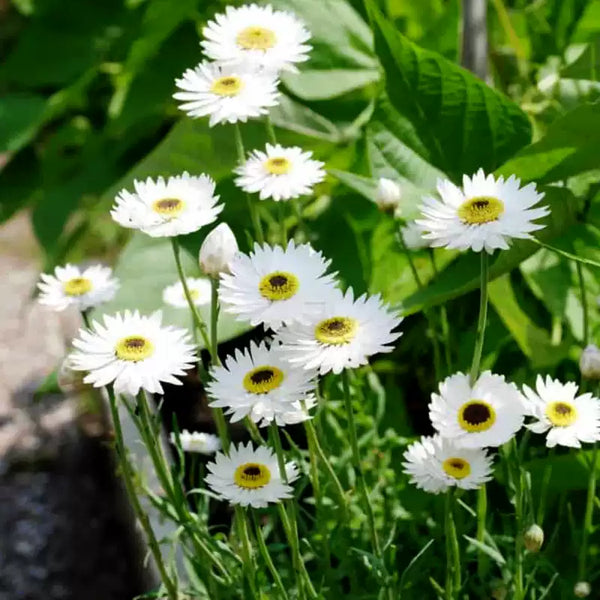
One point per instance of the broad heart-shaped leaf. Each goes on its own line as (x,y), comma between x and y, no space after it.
(450,118)
(569,147)
(462,275)
(146,266)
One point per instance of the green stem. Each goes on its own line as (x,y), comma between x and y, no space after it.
(483,304)
(444,321)
(247,557)
(86,319)
(270,130)
(453,573)
(282,227)
(584,304)
(546,476)
(214,318)
(518,575)
(264,551)
(141,515)
(588,517)
(254,216)
(482,563)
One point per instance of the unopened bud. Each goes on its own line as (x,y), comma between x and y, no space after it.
(388,196)
(68,379)
(217,251)
(534,538)
(589,362)
(412,236)
(582,589)
(499,590)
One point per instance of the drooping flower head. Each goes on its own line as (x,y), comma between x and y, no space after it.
(226,94)
(199,289)
(489,413)
(197,441)
(260,384)
(133,352)
(275,285)
(568,418)
(280,173)
(250,477)
(342,335)
(485,214)
(160,208)
(82,288)
(435,464)
(257,35)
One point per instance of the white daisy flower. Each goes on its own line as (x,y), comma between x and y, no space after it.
(197,441)
(280,173)
(489,413)
(250,477)
(260,384)
(82,288)
(227,94)
(275,285)
(343,335)
(412,236)
(133,352)
(160,208)
(435,464)
(199,288)
(568,418)
(484,215)
(257,35)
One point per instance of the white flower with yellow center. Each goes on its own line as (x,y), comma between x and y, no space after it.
(82,288)
(280,173)
(250,477)
(568,418)
(199,289)
(133,352)
(227,94)
(489,413)
(342,335)
(435,464)
(484,215)
(197,441)
(257,35)
(275,285)
(260,384)
(160,208)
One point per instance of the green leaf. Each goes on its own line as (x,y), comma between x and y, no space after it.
(491,552)
(447,116)
(21,115)
(414,561)
(568,148)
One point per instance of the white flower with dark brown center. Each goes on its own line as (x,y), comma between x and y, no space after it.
(160,208)
(488,413)
(275,285)
(342,335)
(197,441)
(435,464)
(227,94)
(258,383)
(568,418)
(200,290)
(81,288)
(484,215)
(257,35)
(250,477)
(133,352)
(280,173)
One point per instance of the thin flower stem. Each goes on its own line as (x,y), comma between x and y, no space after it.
(588,517)
(518,575)
(141,515)
(254,216)
(444,321)
(482,563)
(270,130)
(453,573)
(247,557)
(584,304)
(546,476)
(483,306)
(264,551)
(86,318)
(282,226)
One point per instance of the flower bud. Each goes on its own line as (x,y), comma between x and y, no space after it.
(68,379)
(533,538)
(412,236)
(582,589)
(388,196)
(589,362)
(217,251)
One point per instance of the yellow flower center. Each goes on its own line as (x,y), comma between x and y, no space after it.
(458,468)
(481,209)
(278,165)
(77,286)
(168,207)
(230,85)
(561,414)
(252,476)
(336,330)
(476,415)
(194,294)
(262,380)
(278,285)
(256,38)
(134,348)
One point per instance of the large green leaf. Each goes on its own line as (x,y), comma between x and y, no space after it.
(448,117)
(20,117)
